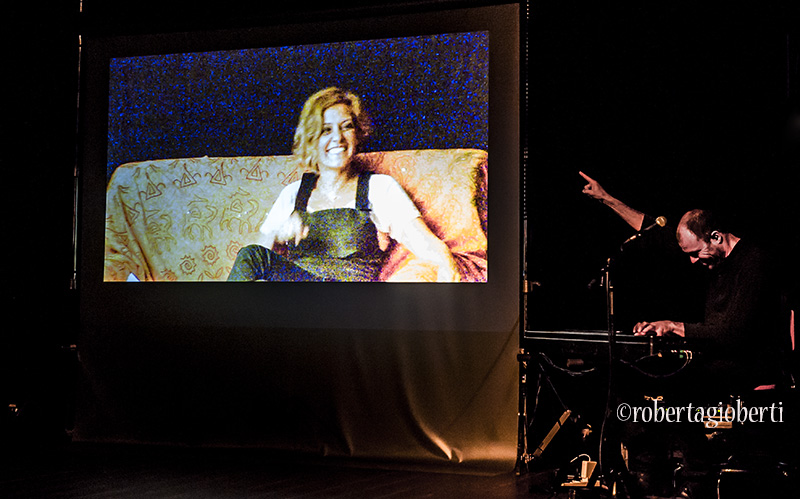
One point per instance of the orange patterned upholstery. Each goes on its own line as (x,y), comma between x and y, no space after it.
(186,219)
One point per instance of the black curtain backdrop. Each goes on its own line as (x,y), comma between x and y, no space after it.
(670,106)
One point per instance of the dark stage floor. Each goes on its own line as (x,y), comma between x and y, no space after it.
(130,471)
(79,470)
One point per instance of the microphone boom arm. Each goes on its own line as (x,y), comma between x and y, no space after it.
(660,222)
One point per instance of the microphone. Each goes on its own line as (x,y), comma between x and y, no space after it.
(660,222)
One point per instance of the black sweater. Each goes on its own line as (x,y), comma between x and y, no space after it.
(741,327)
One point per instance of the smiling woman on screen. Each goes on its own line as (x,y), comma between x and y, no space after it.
(328,226)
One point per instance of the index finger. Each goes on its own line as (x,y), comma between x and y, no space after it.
(585,177)
(650,330)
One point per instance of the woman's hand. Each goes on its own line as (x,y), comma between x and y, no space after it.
(292,230)
(418,238)
(448,270)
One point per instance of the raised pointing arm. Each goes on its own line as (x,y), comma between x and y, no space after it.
(594,190)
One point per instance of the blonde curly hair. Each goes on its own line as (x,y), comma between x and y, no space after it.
(309,126)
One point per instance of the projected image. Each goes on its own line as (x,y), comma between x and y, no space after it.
(356,161)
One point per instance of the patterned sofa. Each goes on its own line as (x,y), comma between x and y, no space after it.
(186,219)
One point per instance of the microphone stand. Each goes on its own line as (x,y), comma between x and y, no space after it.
(613,477)
(610,476)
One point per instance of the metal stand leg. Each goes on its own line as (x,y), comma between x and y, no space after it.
(523,458)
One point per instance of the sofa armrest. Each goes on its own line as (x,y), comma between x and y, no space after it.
(449,186)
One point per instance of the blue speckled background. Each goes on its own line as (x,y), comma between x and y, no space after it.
(421,92)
